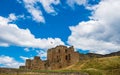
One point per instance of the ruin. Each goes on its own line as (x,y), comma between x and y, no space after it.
(58,57)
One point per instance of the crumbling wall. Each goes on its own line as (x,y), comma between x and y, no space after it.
(57,58)
(37,64)
(61,56)
(28,64)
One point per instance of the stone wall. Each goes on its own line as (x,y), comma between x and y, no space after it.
(35,64)
(57,58)
(28,63)
(61,56)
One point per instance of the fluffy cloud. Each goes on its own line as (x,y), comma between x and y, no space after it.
(42,54)
(7,61)
(78,2)
(10,34)
(12,17)
(26,49)
(24,58)
(47,5)
(35,10)
(101,33)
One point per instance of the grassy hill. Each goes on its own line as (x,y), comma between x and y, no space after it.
(93,66)
(98,66)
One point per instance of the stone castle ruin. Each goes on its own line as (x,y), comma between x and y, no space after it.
(57,58)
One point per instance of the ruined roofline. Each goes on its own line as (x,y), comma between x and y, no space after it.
(59,57)
(60,46)
(35,57)
(28,59)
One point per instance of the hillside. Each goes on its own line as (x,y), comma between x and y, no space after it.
(95,64)
(98,66)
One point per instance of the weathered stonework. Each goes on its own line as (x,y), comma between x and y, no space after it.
(60,57)
(35,64)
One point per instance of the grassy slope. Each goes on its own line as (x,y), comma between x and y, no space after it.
(98,66)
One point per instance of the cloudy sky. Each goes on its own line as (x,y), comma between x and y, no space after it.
(30,27)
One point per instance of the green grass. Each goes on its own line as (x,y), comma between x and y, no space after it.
(95,66)
(99,66)
(108,63)
(92,71)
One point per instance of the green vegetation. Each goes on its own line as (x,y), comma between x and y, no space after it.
(99,66)
(92,71)
(108,63)
(94,66)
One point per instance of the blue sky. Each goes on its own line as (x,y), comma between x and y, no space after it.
(30,27)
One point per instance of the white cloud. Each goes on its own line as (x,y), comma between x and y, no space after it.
(24,58)
(26,49)
(42,54)
(101,33)
(10,62)
(19,1)
(12,17)
(10,34)
(71,3)
(35,10)
(47,4)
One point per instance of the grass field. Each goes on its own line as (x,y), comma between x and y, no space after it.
(94,66)
(98,66)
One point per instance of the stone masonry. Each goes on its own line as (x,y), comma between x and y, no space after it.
(35,64)
(58,57)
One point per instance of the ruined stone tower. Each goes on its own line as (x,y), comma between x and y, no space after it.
(58,57)
(28,63)
(61,56)
(35,64)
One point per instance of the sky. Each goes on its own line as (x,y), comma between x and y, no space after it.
(29,28)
